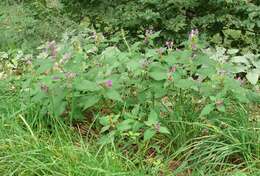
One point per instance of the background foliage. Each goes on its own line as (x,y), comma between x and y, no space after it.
(232,23)
(25,25)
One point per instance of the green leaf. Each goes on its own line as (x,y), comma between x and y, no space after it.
(240,59)
(221,108)
(125,125)
(152,118)
(148,134)
(207,109)
(107,139)
(158,72)
(158,76)
(105,121)
(207,71)
(45,65)
(105,128)
(253,76)
(85,85)
(88,101)
(232,51)
(113,95)
(164,130)
(110,55)
(181,57)
(186,84)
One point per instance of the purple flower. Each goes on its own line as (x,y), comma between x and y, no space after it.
(70,75)
(148,32)
(109,83)
(173,69)
(65,58)
(160,51)
(193,33)
(169,44)
(193,46)
(53,48)
(144,63)
(56,78)
(157,127)
(44,88)
(241,80)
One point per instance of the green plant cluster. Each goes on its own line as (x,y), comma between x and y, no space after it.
(231,23)
(85,74)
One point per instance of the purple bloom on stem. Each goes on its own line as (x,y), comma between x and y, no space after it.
(56,78)
(70,75)
(169,44)
(173,69)
(65,58)
(44,88)
(148,32)
(193,33)
(193,46)
(109,83)
(157,127)
(241,80)
(53,48)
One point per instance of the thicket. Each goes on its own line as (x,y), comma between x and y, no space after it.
(230,23)
(26,25)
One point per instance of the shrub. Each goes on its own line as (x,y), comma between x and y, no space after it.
(230,23)
(84,74)
(26,25)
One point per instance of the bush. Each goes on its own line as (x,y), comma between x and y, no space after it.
(230,23)
(134,90)
(26,25)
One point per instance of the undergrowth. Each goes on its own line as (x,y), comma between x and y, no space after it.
(89,103)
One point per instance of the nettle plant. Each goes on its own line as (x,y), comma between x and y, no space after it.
(247,64)
(131,92)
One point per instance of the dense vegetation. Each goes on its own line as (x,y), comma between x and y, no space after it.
(145,87)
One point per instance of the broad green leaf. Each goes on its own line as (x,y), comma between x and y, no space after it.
(152,118)
(133,64)
(207,109)
(240,59)
(105,121)
(252,76)
(158,71)
(125,125)
(164,130)
(179,57)
(148,134)
(85,85)
(110,55)
(113,95)
(232,51)
(107,139)
(158,76)
(45,65)
(204,60)
(207,71)
(89,100)
(221,108)
(105,128)
(186,84)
